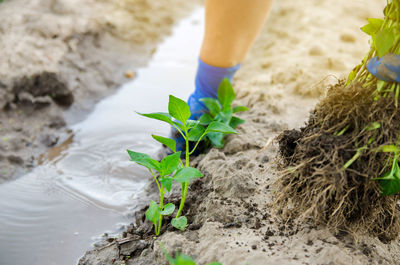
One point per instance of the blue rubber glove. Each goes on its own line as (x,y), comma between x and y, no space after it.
(386,68)
(208,79)
(207,82)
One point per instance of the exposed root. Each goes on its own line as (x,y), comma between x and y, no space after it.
(314,182)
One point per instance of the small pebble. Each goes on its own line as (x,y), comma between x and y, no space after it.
(129,74)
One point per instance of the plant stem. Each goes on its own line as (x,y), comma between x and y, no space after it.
(161,208)
(154,176)
(185,185)
(198,141)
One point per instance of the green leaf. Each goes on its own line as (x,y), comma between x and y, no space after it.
(169,163)
(186,174)
(390,182)
(384,41)
(182,259)
(170,143)
(205,119)
(178,109)
(144,160)
(161,116)
(373,26)
(191,123)
(226,95)
(389,149)
(226,115)
(389,187)
(179,223)
(212,105)
(195,133)
(235,121)
(240,109)
(216,126)
(167,183)
(216,139)
(153,213)
(169,208)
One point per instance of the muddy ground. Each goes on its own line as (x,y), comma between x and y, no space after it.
(60,57)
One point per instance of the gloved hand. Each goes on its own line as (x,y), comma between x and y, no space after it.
(386,68)
(208,79)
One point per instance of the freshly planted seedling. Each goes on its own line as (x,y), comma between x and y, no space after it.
(221,110)
(172,168)
(165,168)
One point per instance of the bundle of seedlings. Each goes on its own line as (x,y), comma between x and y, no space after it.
(341,169)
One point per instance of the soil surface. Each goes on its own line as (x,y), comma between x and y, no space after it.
(59,57)
(305,46)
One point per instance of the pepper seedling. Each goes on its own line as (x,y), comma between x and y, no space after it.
(221,110)
(165,169)
(171,168)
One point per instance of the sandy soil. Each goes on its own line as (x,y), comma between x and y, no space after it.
(59,57)
(305,46)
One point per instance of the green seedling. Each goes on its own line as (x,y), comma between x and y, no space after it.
(165,168)
(221,110)
(172,168)
(181,259)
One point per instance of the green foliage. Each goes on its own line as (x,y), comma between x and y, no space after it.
(153,213)
(169,208)
(390,181)
(385,39)
(187,174)
(171,168)
(170,143)
(221,111)
(179,222)
(161,116)
(144,160)
(178,109)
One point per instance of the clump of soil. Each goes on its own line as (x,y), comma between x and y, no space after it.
(43,85)
(315,183)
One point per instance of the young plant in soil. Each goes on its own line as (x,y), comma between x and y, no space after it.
(345,159)
(221,110)
(171,168)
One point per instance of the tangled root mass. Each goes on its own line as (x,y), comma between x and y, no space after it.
(314,183)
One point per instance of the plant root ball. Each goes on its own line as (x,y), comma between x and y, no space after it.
(315,186)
